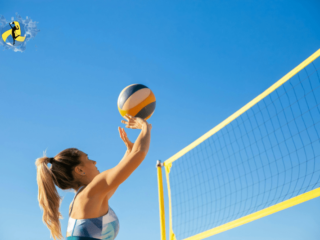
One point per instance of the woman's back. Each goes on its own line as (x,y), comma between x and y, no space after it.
(104,227)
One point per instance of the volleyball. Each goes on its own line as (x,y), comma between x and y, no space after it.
(137,100)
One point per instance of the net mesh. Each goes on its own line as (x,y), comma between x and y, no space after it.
(267,155)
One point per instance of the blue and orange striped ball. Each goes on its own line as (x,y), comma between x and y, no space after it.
(137,100)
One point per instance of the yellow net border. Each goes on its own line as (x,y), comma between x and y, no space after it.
(251,217)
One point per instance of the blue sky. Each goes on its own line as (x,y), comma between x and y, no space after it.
(202,59)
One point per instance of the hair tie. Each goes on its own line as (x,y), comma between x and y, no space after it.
(51,160)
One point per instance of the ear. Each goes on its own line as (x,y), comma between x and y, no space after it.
(78,170)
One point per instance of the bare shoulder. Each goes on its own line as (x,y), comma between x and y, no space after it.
(110,179)
(98,187)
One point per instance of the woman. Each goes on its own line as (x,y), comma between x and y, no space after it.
(90,216)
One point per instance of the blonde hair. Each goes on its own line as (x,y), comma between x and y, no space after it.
(60,174)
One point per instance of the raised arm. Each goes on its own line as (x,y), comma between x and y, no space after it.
(112,178)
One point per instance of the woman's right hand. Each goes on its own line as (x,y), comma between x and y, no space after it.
(135,122)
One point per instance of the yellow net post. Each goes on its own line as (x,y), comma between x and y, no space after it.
(161,201)
(167,168)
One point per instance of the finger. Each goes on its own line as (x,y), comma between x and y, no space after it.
(129,116)
(123,121)
(125,135)
(126,117)
(121,135)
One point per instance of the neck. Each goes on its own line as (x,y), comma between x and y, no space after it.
(77,189)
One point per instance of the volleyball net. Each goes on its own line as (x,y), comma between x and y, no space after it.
(262,159)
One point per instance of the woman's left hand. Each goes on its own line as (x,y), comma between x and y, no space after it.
(125,139)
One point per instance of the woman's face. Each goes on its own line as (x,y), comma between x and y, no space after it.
(88,168)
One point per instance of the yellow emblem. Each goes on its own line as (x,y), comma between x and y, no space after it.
(17,32)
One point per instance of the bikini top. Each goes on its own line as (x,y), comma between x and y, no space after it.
(103,228)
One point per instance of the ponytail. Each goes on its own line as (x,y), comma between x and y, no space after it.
(48,197)
(60,175)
